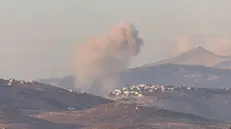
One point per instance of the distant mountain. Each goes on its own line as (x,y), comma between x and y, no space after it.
(195,56)
(170,74)
(203,102)
(156,73)
(66,82)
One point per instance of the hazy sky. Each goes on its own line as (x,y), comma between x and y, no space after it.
(38,38)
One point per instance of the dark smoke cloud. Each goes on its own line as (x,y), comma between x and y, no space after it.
(100,60)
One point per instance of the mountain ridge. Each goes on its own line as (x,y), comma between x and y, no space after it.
(195,56)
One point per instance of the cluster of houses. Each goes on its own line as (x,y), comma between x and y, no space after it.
(148,89)
(12,81)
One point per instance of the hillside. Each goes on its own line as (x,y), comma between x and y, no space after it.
(207,103)
(131,116)
(223,65)
(18,99)
(170,74)
(195,56)
(10,118)
(32,105)
(67,81)
(34,97)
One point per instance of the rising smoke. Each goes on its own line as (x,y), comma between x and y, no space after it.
(100,60)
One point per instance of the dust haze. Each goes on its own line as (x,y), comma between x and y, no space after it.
(100,60)
(181,44)
(220,45)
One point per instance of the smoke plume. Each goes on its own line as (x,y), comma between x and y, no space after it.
(100,60)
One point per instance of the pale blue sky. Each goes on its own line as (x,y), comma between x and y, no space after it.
(38,37)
